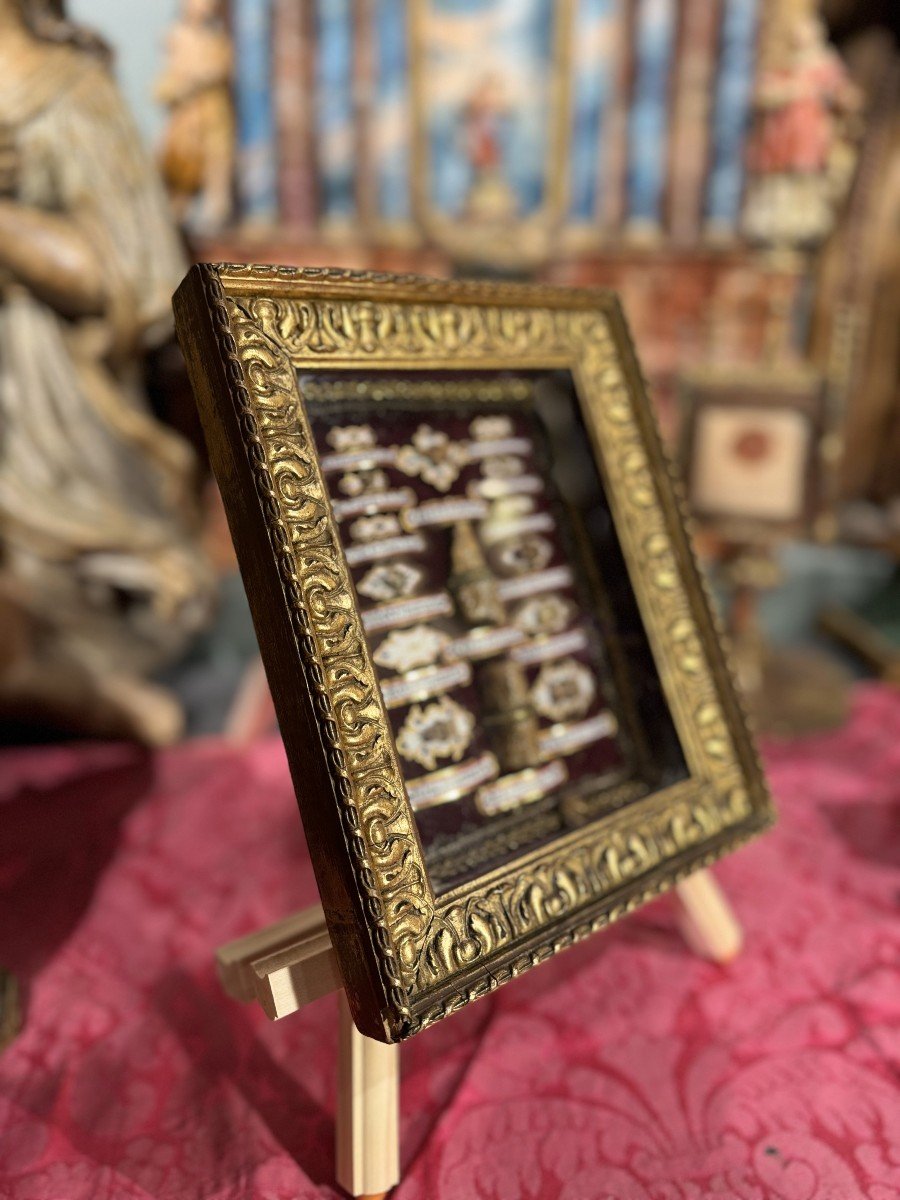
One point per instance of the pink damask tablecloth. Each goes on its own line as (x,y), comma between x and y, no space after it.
(625,1068)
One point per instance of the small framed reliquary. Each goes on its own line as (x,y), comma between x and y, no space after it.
(758,459)
(504,703)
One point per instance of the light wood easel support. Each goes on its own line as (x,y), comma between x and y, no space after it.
(706,919)
(286,967)
(292,963)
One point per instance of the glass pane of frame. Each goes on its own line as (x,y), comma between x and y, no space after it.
(504,631)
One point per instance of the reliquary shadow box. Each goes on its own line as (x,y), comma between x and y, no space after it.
(759,452)
(503,697)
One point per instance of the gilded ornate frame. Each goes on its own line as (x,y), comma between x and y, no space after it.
(409,957)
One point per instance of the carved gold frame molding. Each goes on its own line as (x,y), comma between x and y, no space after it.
(410,957)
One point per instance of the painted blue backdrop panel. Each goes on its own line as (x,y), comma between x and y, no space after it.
(511,44)
(593,80)
(391,114)
(257,155)
(648,119)
(334,107)
(734,86)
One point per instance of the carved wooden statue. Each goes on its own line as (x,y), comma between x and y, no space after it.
(101,576)
(197,154)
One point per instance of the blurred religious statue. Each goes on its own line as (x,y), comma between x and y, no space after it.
(197,156)
(801,149)
(101,576)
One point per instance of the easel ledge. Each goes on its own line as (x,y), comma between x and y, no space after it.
(291,963)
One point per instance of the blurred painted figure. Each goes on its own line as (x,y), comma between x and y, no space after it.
(102,579)
(484,116)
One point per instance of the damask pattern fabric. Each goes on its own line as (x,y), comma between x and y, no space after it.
(626,1068)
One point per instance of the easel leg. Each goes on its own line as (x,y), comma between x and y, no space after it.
(707,921)
(368,1161)
(293,963)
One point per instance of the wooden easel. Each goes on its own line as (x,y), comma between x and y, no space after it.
(293,962)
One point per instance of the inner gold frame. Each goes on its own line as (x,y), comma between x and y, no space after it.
(409,957)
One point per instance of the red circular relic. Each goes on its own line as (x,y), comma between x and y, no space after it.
(751,445)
